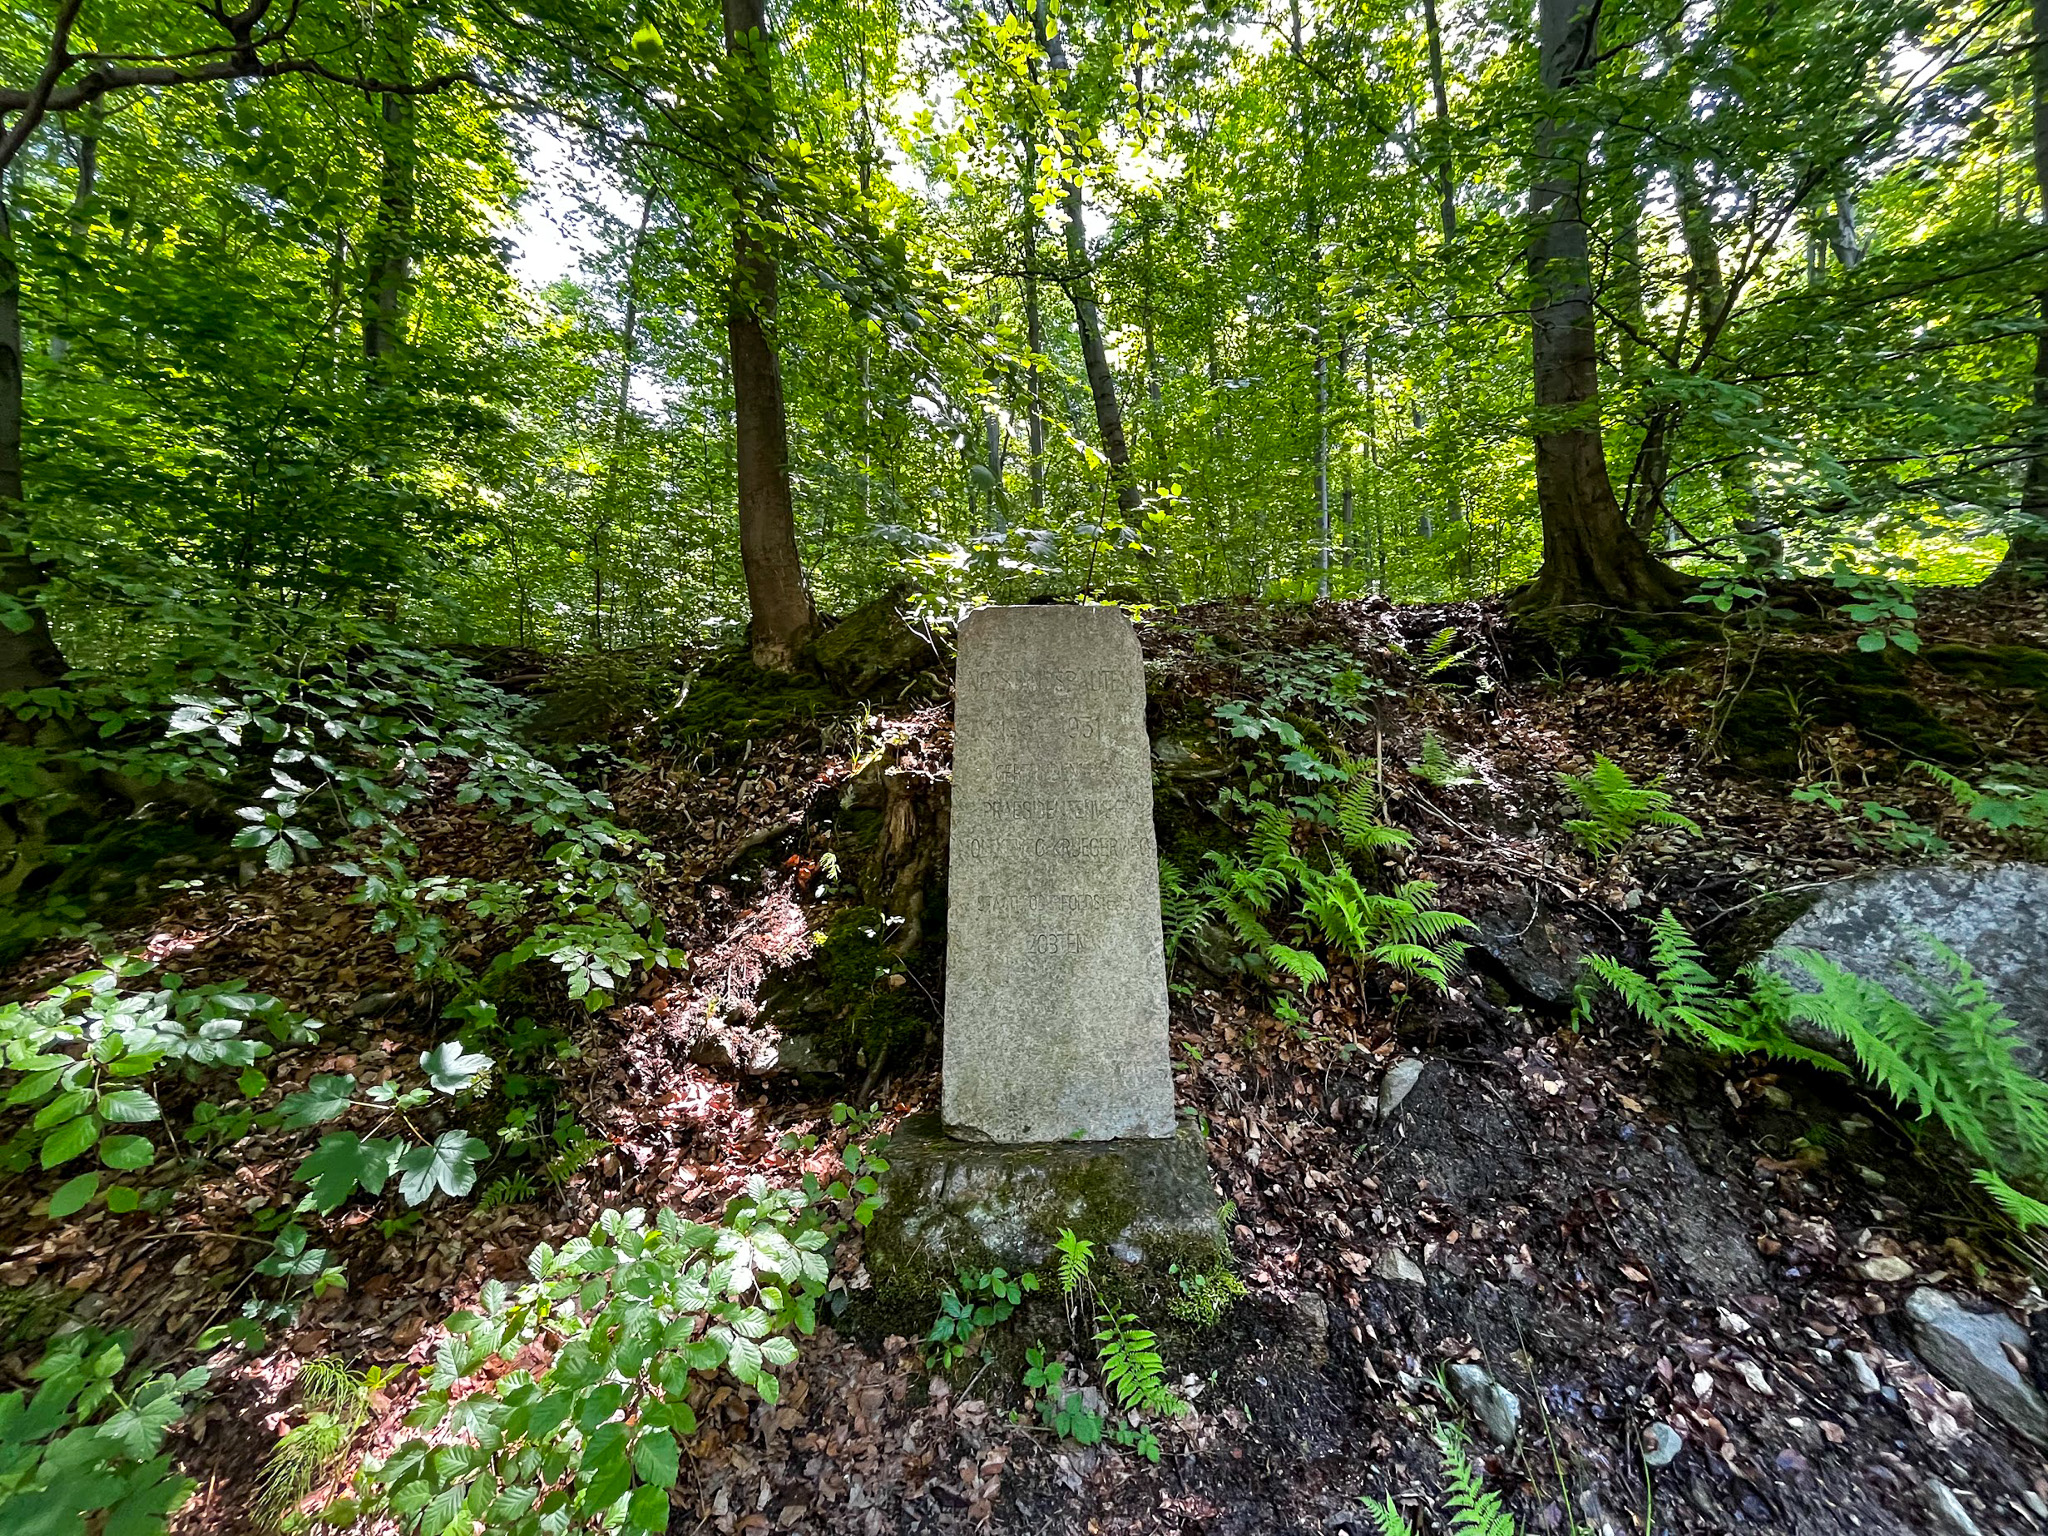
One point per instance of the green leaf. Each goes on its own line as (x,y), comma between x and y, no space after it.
(451,1069)
(127,1152)
(656,1458)
(71,1196)
(342,1164)
(68,1140)
(129,1106)
(325,1098)
(450,1165)
(648,1509)
(122,1198)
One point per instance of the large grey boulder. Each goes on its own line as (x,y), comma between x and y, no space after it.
(1995,916)
(1973,1352)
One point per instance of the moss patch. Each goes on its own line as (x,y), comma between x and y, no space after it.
(1146,1205)
(1992,666)
(1791,692)
(731,701)
(842,997)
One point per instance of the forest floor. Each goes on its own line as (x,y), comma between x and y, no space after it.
(1624,1233)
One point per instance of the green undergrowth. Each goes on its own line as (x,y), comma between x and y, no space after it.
(634,1322)
(1947,1057)
(731,702)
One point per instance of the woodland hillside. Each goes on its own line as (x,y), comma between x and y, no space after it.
(488,491)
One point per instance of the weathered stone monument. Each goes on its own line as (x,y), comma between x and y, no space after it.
(1057,1093)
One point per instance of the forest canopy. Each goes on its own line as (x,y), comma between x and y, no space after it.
(1179,300)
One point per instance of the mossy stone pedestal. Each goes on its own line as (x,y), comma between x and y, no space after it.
(954,1205)
(1057,1089)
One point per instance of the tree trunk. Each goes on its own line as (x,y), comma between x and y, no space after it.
(1109,416)
(388,291)
(29,656)
(1034,338)
(1447,211)
(88,164)
(777,598)
(2026,554)
(1591,557)
(629,337)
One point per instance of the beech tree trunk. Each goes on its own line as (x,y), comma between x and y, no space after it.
(1109,416)
(388,291)
(2026,555)
(1447,210)
(1034,338)
(778,600)
(29,656)
(1592,559)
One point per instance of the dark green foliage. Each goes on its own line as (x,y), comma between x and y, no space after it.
(730,702)
(977,1301)
(83,1450)
(1948,1055)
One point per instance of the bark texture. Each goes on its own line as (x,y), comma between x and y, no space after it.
(2026,555)
(778,600)
(1080,285)
(388,289)
(1592,559)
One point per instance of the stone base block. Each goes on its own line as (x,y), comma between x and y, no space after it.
(959,1205)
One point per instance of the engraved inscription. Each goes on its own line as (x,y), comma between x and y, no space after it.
(1056,980)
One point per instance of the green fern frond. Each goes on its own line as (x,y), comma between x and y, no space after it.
(1077,1255)
(1272,839)
(1616,807)
(1475,1509)
(1437,767)
(1304,967)
(1417,962)
(2022,1210)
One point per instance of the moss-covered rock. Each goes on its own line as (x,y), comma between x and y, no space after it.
(874,647)
(1147,1206)
(1790,692)
(851,999)
(1992,666)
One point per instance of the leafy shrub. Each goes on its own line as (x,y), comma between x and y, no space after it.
(85,1050)
(328,737)
(629,1318)
(980,1300)
(1617,808)
(1950,1059)
(85,1453)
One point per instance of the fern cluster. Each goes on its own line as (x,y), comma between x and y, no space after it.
(1616,807)
(1278,887)
(1437,767)
(1469,1507)
(1950,1059)
(1129,1354)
